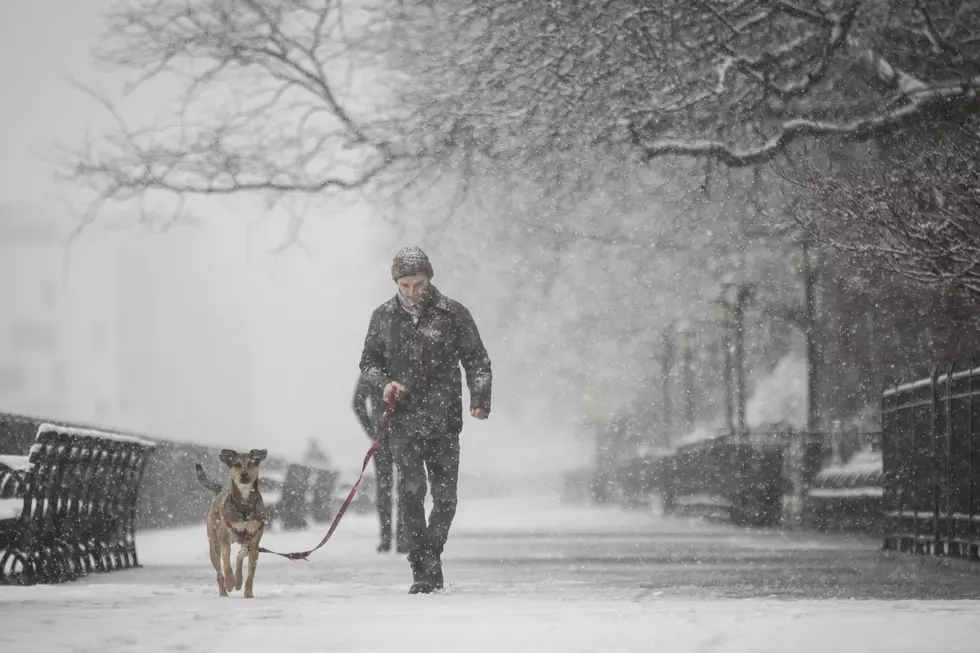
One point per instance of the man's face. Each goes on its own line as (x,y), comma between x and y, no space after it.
(413,288)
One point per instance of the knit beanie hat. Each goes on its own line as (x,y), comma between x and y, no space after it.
(410,261)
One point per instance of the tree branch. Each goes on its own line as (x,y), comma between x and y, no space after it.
(921,101)
(258,112)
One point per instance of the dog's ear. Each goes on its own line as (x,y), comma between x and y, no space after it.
(258,455)
(228,456)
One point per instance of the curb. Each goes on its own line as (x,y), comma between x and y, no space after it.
(954,564)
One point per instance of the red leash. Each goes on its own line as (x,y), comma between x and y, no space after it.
(304,555)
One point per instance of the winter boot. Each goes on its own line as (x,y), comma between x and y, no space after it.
(421,575)
(437,581)
(435,569)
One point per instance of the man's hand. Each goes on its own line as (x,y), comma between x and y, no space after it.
(392,390)
(479,413)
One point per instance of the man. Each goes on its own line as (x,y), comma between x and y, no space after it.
(413,350)
(369,408)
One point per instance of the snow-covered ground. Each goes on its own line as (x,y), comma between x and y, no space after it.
(525,576)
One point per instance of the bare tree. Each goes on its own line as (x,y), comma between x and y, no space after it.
(260,95)
(737,82)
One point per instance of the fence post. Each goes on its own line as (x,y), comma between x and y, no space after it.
(796,459)
(933,462)
(949,458)
(970,529)
(666,367)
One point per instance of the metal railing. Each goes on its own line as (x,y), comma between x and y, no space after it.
(931,463)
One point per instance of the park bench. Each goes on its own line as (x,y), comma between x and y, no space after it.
(848,495)
(727,477)
(68,508)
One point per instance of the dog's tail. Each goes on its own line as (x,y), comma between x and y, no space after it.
(205,481)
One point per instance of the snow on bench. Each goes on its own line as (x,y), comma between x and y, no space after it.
(11,508)
(860,477)
(870,491)
(16,463)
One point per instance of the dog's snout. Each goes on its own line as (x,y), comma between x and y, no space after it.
(244,478)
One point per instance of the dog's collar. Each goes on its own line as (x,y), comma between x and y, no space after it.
(240,533)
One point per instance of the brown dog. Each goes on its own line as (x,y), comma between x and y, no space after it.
(237,515)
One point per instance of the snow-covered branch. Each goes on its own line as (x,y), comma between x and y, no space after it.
(921,100)
(510,87)
(738,82)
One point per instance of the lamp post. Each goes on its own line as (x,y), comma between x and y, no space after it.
(687,338)
(735,316)
(801,476)
(666,365)
(723,316)
(743,294)
(809,312)
(805,260)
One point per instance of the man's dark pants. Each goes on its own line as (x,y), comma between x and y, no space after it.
(384,468)
(423,461)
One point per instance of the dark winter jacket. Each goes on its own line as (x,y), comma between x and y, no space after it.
(425,358)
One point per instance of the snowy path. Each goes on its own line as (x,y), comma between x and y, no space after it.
(542,578)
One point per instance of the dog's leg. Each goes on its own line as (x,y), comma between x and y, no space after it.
(253,561)
(238,566)
(226,559)
(216,561)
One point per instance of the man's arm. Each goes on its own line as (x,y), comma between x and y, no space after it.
(374,368)
(361,394)
(476,362)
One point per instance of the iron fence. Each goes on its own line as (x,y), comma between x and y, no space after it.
(931,464)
